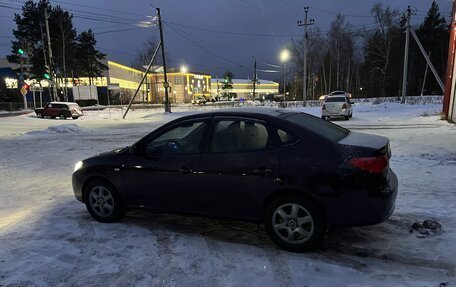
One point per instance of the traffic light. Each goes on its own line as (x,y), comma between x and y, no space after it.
(20,51)
(47,72)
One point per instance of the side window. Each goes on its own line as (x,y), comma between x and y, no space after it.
(48,106)
(183,139)
(232,136)
(286,137)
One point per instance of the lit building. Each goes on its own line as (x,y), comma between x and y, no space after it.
(243,88)
(183,86)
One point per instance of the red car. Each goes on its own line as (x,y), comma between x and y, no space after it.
(62,110)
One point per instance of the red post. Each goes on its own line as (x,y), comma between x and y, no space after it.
(450,63)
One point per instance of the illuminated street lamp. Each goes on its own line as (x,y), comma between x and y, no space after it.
(284,56)
(184,69)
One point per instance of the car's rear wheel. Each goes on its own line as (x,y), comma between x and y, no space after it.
(347,118)
(62,116)
(294,223)
(103,201)
(75,118)
(323,117)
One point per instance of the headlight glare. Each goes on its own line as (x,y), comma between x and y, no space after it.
(78,166)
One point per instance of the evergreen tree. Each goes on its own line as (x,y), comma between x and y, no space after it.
(89,58)
(434,36)
(227,83)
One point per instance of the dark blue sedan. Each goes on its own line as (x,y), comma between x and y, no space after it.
(295,173)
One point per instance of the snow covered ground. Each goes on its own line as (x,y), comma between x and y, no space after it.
(47,238)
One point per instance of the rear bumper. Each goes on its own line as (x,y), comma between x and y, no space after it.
(364,207)
(341,113)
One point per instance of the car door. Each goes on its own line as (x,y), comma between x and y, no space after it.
(237,168)
(162,174)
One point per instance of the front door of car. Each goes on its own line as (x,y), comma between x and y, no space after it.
(237,169)
(162,173)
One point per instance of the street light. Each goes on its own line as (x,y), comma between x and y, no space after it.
(284,56)
(184,69)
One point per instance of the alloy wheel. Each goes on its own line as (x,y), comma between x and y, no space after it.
(293,223)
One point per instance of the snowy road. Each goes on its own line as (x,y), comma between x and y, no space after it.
(48,239)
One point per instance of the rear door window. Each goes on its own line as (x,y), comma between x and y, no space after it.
(234,136)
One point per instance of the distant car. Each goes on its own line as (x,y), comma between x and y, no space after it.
(199,101)
(337,106)
(293,172)
(62,110)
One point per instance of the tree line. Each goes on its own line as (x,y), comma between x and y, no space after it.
(368,62)
(74,54)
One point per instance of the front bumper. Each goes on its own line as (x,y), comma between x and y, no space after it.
(77,182)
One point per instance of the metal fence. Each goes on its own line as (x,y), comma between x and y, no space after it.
(16,106)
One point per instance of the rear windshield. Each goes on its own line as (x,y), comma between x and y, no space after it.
(324,128)
(335,100)
(338,93)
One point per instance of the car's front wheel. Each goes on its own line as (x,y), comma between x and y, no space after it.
(294,223)
(103,201)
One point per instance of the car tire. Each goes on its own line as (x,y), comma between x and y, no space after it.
(294,223)
(103,201)
(74,118)
(351,115)
(347,118)
(62,116)
(39,115)
(323,117)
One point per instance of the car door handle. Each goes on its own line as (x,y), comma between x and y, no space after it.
(184,170)
(262,171)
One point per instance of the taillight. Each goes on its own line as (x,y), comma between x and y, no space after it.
(323,107)
(344,106)
(375,164)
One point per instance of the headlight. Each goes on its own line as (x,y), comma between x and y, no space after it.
(77,166)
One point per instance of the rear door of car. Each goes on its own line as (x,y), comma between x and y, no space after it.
(237,168)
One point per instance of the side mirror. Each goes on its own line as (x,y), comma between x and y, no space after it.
(137,148)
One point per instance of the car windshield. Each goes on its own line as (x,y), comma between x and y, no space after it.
(74,106)
(335,100)
(324,128)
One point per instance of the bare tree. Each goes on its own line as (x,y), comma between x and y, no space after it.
(379,41)
(145,54)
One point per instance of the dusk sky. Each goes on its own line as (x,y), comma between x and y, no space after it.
(210,35)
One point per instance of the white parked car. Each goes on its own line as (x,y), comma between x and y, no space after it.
(337,106)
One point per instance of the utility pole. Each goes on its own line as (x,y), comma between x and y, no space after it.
(64,59)
(45,58)
(307,22)
(254,77)
(46,18)
(425,75)
(165,84)
(407,38)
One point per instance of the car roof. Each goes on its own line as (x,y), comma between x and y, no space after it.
(66,103)
(256,112)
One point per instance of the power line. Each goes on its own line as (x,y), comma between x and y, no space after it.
(181,34)
(233,33)
(337,13)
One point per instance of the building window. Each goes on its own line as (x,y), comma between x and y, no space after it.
(178,80)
